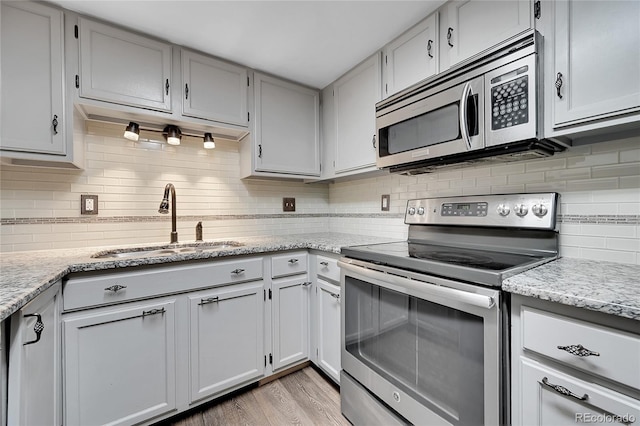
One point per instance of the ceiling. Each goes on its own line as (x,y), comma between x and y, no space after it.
(310,42)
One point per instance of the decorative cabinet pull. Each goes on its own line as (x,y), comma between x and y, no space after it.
(449,35)
(559,84)
(260,151)
(373,141)
(208,300)
(307,283)
(37,328)
(115,288)
(578,350)
(186,91)
(563,390)
(237,271)
(166,87)
(54,123)
(293,261)
(335,296)
(429,47)
(325,264)
(152,312)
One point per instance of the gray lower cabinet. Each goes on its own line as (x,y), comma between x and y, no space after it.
(328,328)
(120,363)
(34,360)
(226,338)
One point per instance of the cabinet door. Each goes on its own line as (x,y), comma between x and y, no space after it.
(599,70)
(286,127)
(476,25)
(226,330)
(120,364)
(290,309)
(588,403)
(124,68)
(34,362)
(328,326)
(412,57)
(213,89)
(32,78)
(355,96)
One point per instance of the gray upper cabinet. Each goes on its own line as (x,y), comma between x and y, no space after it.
(596,60)
(287,127)
(472,26)
(213,89)
(412,57)
(32,114)
(124,68)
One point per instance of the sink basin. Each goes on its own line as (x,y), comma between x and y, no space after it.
(194,248)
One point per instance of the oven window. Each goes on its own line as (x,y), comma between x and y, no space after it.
(432,352)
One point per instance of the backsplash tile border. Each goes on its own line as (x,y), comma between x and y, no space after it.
(562,218)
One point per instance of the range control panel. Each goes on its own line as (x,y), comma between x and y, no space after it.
(537,211)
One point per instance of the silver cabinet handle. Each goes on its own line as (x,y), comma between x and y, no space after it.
(578,350)
(449,36)
(335,296)
(54,123)
(115,288)
(373,141)
(307,283)
(429,47)
(559,85)
(564,391)
(293,261)
(325,264)
(208,300)
(37,328)
(153,312)
(237,271)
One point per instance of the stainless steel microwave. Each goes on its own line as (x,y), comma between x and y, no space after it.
(487,108)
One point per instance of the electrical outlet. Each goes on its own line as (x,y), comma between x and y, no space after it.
(384,202)
(88,204)
(288,204)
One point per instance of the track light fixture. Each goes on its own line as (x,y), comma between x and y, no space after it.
(172,134)
(209,143)
(132,132)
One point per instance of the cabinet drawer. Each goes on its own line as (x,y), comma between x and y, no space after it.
(120,287)
(289,264)
(617,353)
(328,268)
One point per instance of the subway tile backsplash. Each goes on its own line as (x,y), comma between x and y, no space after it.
(40,208)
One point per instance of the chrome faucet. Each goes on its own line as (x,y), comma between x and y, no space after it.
(164,209)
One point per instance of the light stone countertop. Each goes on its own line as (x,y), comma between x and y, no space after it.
(599,286)
(612,288)
(24,275)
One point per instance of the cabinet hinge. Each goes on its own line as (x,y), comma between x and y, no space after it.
(248,116)
(386,88)
(265,294)
(265,360)
(385,60)
(269,294)
(320,166)
(270,359)
(75,31)
(537,9)
(77,81)
(317,352)
(248,81)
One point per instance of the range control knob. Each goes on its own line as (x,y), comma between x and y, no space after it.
(539,210)
(421,210)
(412,211)
(503,210)
(521,210)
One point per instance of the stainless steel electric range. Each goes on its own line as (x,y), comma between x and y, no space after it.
(424,323)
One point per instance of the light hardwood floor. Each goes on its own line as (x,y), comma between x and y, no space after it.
(300,398)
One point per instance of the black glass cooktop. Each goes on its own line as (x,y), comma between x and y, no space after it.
(494,261)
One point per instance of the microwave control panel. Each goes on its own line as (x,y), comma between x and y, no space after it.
(509,99)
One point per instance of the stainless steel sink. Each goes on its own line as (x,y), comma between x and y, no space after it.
(196,248)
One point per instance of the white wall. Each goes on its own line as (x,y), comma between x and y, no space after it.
(40,208)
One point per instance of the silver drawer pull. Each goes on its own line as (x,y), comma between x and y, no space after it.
(208,300)
(307,283)
(325,264)
(152,312)
(563,390)
(335,296)
(293,261)
(237,271)
(578,350)
(115,288)
(37,328)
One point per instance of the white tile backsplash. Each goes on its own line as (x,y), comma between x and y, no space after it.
(594,181)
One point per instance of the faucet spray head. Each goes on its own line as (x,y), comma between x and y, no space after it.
(164,204)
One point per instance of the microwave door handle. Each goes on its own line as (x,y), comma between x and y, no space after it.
(466,91)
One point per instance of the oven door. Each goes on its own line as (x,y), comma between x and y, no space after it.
(429,348)
(447,122)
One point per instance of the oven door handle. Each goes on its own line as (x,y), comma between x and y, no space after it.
(424,287)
